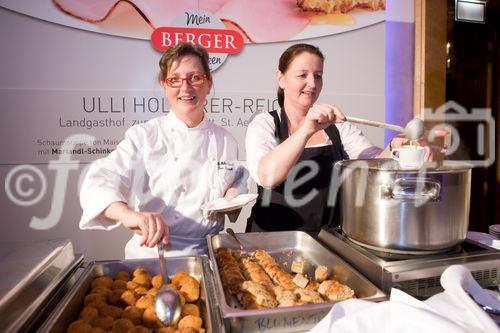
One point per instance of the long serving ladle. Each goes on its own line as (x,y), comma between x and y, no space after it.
(413,130)
(167,302)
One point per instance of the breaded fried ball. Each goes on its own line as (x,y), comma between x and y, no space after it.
(97,330)
(102,281)
(93,298)
(140,291)
(143,280)
(115,298)
(88,313)
(101,290)
(119,284)
(96,304)
(190,309)
(111,310)
(79,326)
(103,322)
(133,313)
(121,325)
(138,271)
(122,275)
(178,277)
(139,329)
(152,291)
(190,321)
(182,299)
(156,281)
(187,330)
(167,329)
(149,318)
(146,301)
(128,297)
(191,290)
(131,285)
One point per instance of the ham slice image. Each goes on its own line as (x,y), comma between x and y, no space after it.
(259,20)
(157,12)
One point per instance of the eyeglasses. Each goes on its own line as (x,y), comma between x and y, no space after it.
(194,80)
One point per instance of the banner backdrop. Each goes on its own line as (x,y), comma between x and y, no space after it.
(75,75)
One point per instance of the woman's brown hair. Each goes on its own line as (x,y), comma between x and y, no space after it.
(178,51)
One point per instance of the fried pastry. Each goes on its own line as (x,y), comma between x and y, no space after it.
(308,296)
(300,280)
(263,296)
(232,277)
(279,276)
(335,291)
(321,273)
(285,297)
(254,272)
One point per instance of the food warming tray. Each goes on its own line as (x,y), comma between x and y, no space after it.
(284,246)
(68,309)
(35,276)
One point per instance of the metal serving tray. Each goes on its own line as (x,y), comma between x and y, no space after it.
(284,246)
(70,306)
(33,276)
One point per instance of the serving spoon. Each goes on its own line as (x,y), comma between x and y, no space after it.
(167,302)
(232,234)
(413,130)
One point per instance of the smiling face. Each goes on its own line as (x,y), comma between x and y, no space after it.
(302,81)
(187,101)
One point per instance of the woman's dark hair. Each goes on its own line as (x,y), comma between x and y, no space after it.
(178,51)
(288,56)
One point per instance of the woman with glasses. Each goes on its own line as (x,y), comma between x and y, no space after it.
(163,171)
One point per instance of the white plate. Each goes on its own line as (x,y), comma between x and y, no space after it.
(223,205)
(485,239)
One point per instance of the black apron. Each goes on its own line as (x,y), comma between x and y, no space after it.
(279,215)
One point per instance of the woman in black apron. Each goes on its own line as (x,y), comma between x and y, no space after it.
(307,145)
(291,152)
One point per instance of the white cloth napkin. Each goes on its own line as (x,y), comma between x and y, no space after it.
(451,311)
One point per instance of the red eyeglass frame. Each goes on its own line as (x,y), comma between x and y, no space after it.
(203,76)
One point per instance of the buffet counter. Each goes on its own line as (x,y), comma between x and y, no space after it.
(48,284)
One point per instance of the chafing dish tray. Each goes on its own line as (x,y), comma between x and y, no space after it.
(68,309)
(285,247)
(34,276)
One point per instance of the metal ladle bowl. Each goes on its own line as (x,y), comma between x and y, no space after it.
(413,130)
(167,302)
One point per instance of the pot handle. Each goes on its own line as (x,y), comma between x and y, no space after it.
(412,189)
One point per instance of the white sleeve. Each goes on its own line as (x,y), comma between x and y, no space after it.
(109,180)
(240,181)
(355,143)
(259,141)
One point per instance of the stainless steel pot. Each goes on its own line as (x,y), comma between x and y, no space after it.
(404,211)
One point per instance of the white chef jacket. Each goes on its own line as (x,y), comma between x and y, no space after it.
(163,166)
(260,140)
